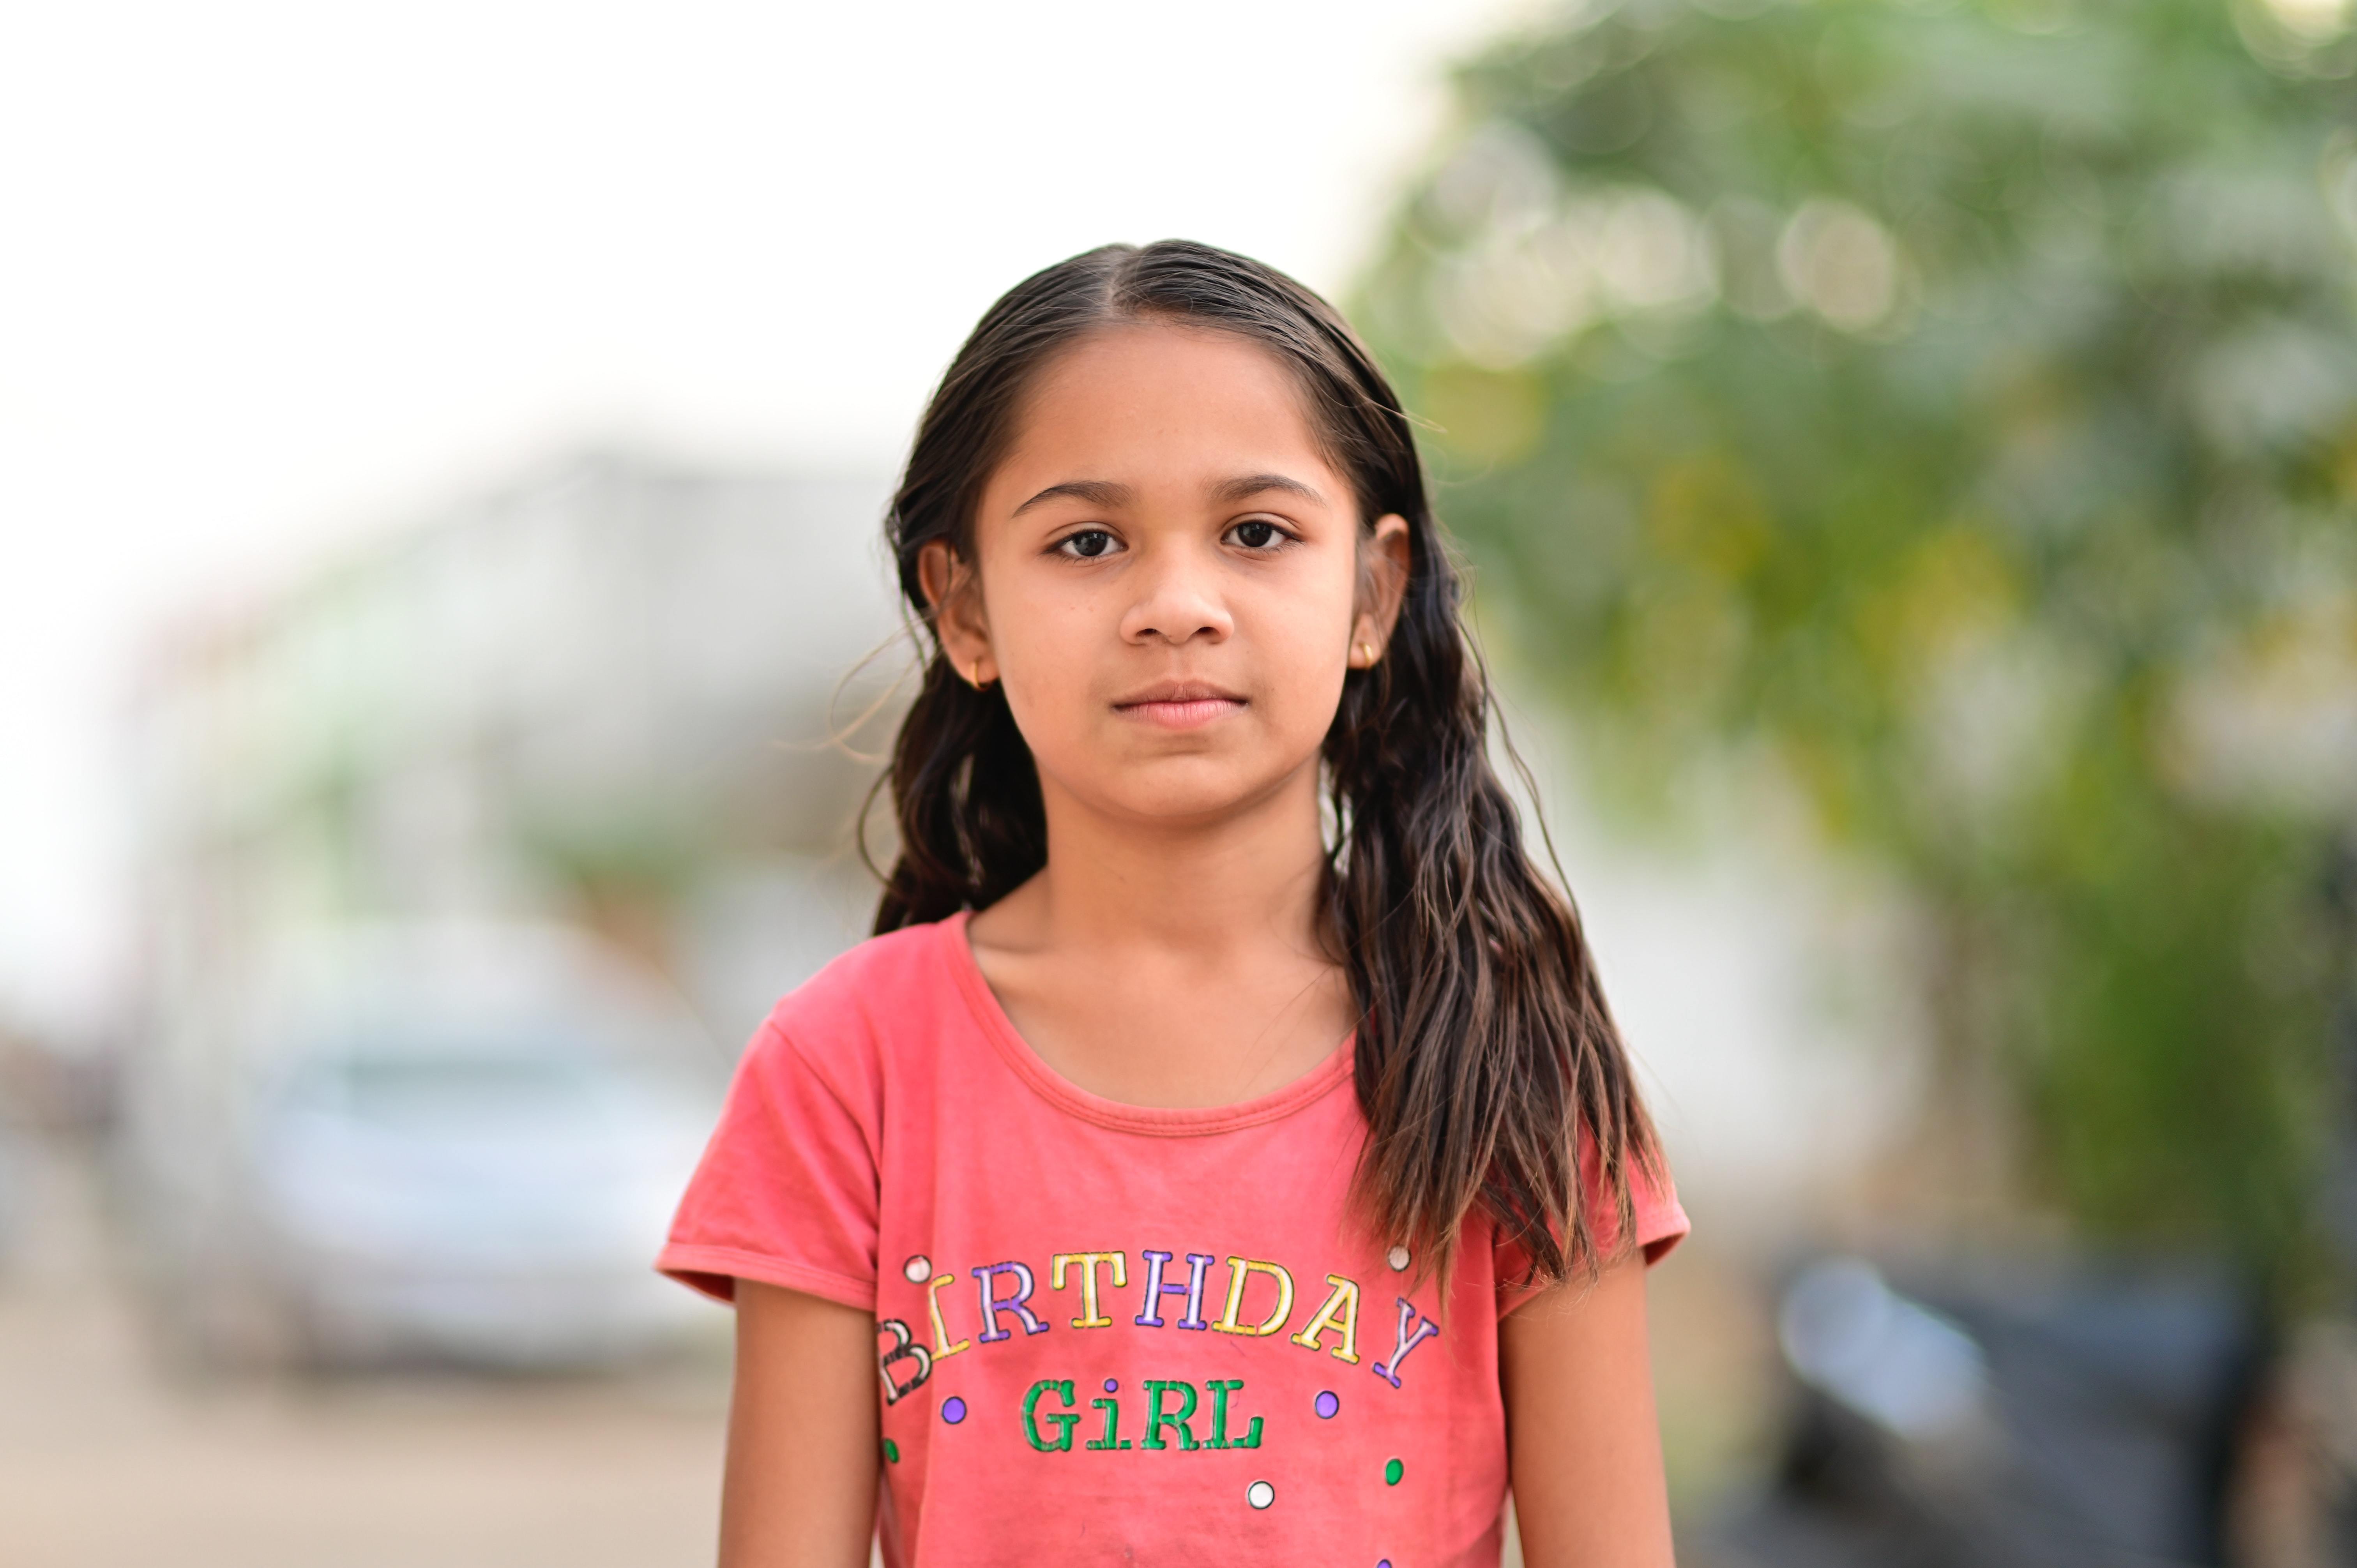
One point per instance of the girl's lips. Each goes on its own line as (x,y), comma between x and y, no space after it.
(1181,713)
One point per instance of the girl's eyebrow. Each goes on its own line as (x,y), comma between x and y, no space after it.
(1096,493)
(1107,493)
(1228,491)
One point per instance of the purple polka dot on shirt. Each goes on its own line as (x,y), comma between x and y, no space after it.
(1327,1405)
(953,1410)
(1113,1385)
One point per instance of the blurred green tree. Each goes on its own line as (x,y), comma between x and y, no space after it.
(1950,409)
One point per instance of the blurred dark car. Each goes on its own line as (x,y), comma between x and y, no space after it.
(459,1142)
(2004,1416)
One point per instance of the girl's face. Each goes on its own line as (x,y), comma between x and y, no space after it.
(1169,577)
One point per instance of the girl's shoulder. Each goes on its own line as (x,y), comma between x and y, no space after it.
(874,1001)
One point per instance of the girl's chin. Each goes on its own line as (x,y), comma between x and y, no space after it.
(1188,792)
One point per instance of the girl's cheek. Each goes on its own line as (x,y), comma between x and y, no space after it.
(1048,659)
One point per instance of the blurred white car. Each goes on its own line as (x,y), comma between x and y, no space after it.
(456,1142)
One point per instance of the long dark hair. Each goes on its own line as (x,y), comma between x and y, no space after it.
(1486,1056)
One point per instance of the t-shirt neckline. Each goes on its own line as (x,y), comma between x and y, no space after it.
(1169,1121)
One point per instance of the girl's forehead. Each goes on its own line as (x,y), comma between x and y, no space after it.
(1162,400)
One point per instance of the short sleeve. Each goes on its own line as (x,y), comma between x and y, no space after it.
(787,1191)
(1660,1224)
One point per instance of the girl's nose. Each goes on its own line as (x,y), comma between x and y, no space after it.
(1180,601)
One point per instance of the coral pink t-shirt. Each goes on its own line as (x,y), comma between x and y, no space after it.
(1105,1333)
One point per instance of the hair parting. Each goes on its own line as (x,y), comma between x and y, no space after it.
(1488,1065)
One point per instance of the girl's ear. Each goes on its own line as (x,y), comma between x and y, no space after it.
(1383,557)
(954,592)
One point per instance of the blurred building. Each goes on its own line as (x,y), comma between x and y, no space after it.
(432,843)
(603,692)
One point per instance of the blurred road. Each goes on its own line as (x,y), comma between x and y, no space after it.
(110,1459)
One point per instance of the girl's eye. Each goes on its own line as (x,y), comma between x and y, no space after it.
(1256,534)
(1088,544)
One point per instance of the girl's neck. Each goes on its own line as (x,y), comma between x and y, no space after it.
(1199,887)
(1171,966)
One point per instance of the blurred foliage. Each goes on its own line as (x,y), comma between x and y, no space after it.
(1950,411)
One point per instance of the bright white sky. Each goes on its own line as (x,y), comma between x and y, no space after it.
(274,275)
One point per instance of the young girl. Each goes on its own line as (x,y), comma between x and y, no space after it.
(1222,1151)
